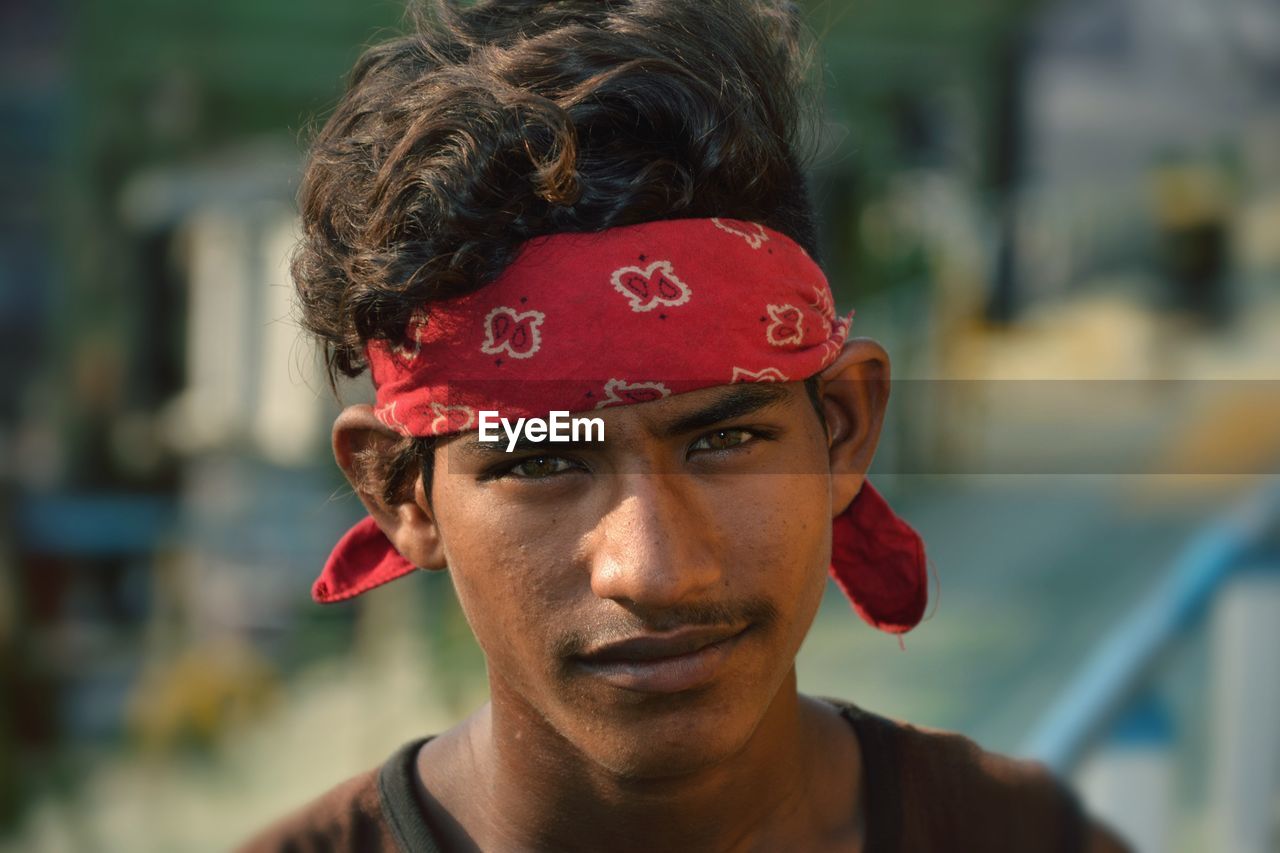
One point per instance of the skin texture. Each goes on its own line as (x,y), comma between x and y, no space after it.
(724,526)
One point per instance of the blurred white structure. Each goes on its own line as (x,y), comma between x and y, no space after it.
(254,380)
(1130,788)
(1244,779)
(256,508)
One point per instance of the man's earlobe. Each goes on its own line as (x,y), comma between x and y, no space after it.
(855,394)
(363,446)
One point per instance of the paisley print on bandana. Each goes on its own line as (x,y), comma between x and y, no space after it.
(417,326)
(768,374)
(619,393)
(787,326)
(387,414)
(650,287)
(821,302)
(753,233)
(447,419)
(509,331)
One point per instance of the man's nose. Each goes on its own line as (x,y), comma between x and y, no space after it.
(656,547)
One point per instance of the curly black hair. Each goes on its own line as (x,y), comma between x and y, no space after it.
(504,120)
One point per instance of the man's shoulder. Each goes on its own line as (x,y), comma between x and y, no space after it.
(931,758)
(962,788)
(348,816)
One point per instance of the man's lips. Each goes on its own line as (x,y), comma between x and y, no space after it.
(648,647)
(669,662)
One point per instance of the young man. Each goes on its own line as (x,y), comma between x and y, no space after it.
(597,208)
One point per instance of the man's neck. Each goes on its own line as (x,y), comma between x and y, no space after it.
(514,783)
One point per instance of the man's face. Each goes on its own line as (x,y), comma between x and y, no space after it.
(645,597)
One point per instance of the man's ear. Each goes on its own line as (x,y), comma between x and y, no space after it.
(854,390)
(359,438)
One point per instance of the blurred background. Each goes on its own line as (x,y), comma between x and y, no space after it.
(1061,218)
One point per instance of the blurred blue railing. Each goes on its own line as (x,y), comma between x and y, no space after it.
(1114,675)
(1112,704)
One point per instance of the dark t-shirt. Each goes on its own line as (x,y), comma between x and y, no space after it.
(926,791)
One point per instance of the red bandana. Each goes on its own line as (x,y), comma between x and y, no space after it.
(579,322)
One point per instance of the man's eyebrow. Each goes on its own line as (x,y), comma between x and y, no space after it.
(742,400)
(486,449)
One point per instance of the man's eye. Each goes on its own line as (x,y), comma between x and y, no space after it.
(538,467)
(723,439)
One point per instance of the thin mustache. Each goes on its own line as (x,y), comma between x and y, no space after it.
(617,627)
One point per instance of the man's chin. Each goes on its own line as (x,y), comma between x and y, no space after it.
(668,759)
(652,741)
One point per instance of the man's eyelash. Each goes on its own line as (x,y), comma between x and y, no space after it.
(754,433)
(506,468)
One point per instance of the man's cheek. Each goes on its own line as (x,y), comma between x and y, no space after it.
(511,652)
(506,614)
